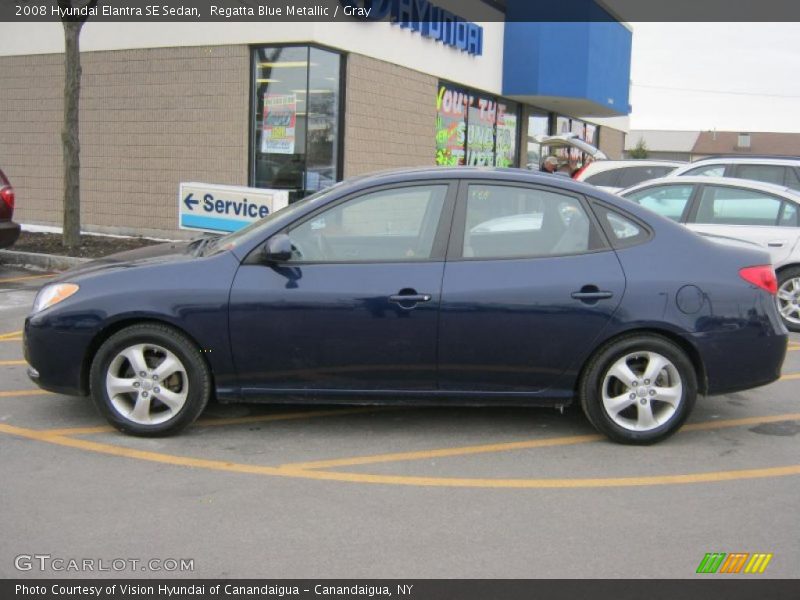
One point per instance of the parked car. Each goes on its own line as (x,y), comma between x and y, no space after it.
(417,287)
(761,213)
(9,231)
(783,171)
(614,175)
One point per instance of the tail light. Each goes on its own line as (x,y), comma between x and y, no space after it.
(7,194)
(762,276)
(577,173)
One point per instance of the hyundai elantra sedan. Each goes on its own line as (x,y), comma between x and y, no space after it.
(433,286)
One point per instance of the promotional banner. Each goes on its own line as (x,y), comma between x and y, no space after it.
(280,117)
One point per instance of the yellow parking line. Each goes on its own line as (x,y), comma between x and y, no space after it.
(523,445)
(790,377)
(217,465)
(27,277)
(15,393)
(10,334)
(12,363)
(212,422)
(13,339)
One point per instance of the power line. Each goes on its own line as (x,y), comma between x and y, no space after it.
(706,91)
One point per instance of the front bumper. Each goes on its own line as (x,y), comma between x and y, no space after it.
(56,356)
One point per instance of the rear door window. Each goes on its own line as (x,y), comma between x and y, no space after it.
(505,221)
(737,206)
(766,173)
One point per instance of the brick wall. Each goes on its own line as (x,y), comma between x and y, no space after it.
(612,142)
(390,117)
(149,120)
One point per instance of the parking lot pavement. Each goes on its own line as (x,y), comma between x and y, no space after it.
(256,491)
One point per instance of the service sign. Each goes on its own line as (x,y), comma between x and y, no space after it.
(225,208)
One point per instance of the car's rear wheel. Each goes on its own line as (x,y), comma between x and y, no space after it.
(788,298)
(638,389)
(149,380)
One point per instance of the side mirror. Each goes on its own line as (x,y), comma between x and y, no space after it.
(277,249)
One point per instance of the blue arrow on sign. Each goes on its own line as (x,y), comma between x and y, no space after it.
(190,202)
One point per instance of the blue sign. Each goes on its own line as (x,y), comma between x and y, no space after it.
(428,19)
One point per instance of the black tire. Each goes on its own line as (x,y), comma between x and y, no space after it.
(783,277)
(635,351)
(191,384)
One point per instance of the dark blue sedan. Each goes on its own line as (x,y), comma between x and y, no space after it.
(434,286)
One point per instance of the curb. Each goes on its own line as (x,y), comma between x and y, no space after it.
(48,262)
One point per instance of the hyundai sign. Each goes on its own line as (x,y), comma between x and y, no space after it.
(424,17)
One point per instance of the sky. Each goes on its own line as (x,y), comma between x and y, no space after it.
(724,76)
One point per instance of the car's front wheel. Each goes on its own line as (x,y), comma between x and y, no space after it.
(638,389)
(149,380)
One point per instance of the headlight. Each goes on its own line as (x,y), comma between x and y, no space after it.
(52,294)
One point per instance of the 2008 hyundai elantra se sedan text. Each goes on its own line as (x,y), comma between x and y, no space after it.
(433,286)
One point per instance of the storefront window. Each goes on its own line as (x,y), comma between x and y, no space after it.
(538,126)
(296,119)
(474,129)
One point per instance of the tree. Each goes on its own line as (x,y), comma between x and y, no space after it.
(74,14)
(640,151)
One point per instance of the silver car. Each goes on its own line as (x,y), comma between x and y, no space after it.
(760,213)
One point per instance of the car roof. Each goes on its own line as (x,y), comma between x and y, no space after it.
(720,181)
(753,160)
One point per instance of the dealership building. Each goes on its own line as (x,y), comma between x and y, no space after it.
(297,105)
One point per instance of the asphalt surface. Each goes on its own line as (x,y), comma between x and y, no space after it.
(321,492)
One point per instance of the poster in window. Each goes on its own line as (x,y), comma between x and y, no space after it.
(480,131)
(280,117)
(506,154)
(451,107)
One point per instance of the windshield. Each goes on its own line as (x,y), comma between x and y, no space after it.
(235,239)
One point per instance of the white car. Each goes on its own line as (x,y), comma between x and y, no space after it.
(783,171)
(614,175)
(761,213)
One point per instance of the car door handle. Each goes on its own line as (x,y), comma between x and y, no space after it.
(591,294)
(408,299)
(776,243)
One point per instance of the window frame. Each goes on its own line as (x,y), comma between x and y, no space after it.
(253,103)
(455,248)
(438,250)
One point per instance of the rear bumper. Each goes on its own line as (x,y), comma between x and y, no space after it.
(741,360)
(9,232)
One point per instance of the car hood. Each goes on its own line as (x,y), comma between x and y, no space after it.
(149,255)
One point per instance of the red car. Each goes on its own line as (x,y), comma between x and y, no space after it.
(9,231)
